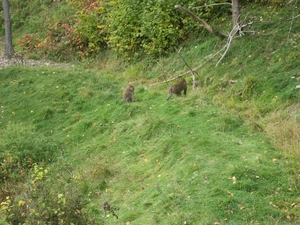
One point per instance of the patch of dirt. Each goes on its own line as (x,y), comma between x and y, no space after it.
(19,60)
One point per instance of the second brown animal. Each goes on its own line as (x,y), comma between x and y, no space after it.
(178,88)
(128,94)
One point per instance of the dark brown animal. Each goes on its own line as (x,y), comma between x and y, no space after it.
(128,94)
(178,88)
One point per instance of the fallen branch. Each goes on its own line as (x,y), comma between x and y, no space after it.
(206,25)
(166,81)
(187,72)
(231,35)
(237,29)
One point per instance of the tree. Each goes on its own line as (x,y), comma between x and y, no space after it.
(235,12)
(9,50)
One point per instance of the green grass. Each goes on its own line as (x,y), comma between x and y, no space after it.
(227,153)
(160,162)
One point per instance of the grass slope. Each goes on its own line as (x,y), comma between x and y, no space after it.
(226,154)
(182,161)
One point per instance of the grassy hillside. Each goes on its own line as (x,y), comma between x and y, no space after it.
(227,153)
(160,162)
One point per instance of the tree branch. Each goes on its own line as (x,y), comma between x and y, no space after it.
(209,57)
(237,29)
(192,71)
(293,17)
(206,25)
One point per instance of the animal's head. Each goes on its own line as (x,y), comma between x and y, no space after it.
(131,88)
(171,90)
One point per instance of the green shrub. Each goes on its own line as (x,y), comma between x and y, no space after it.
(45,199)
(151,27)
(87,27)
(88,33)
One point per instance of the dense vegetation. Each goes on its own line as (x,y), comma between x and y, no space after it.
(73,153)
(83,28)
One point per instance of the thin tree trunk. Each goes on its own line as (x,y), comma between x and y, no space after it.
(9,50)
(235,13)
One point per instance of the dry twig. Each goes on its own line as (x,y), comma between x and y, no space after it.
(292,21)
(191,70)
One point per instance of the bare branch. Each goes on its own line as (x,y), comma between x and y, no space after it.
(229,40)
(290,2)
(206,25)
(293,17)
(232,35)
(209,57)
(237,29)
(191,70)
(167,81)
(296,16)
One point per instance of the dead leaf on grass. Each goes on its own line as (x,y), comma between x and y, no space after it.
(234,179)
(230,194)
(275,206)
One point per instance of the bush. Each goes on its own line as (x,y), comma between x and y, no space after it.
(88,33)
(29,42)
(152,27)
(87,27)
(45,199)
